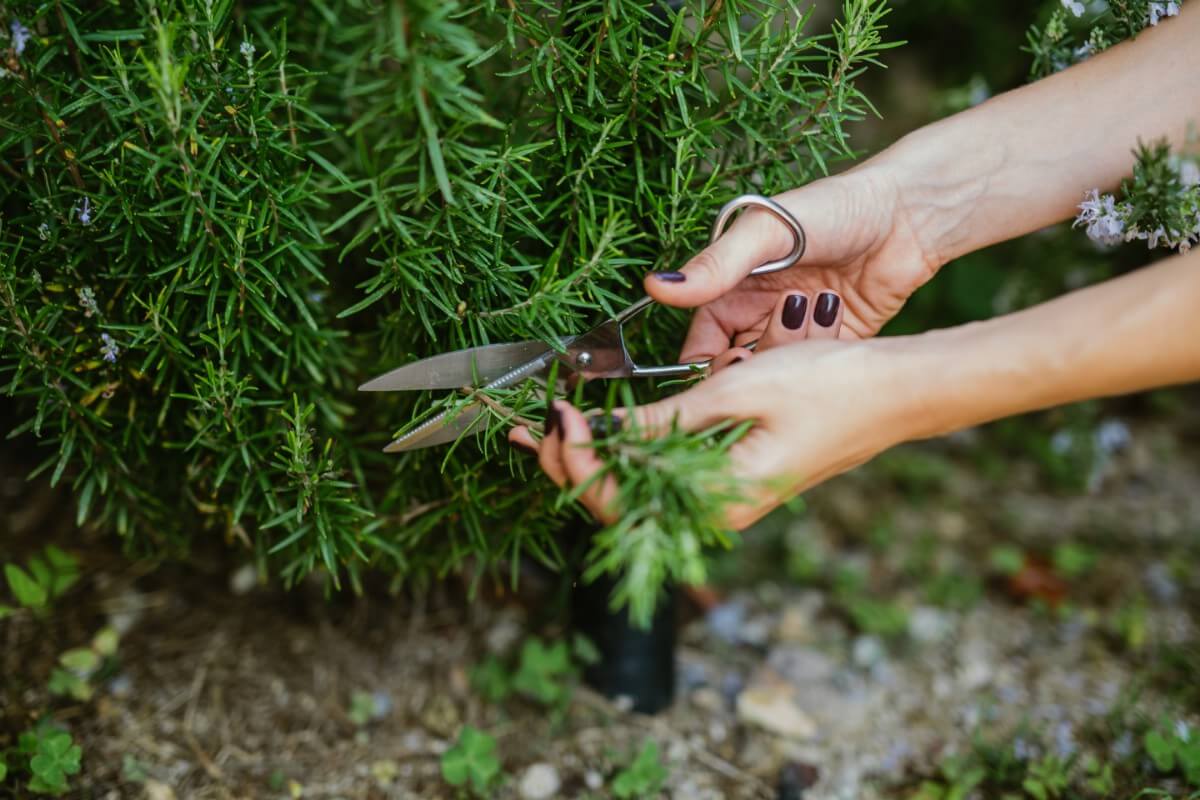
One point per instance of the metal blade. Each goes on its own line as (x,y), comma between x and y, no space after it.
(471,367)
(451,424)
(439,430)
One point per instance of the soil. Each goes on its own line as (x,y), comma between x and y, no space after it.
(227,688)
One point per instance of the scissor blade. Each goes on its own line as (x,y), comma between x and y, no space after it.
(441,429)
(471,367)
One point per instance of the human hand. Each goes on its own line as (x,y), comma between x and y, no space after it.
(865,256)
(819,409)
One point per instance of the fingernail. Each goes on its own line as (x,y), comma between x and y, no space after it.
(522,446)
(604,425)
(553,418)
(825,314)
(737,360)
(794,310)
(669,277)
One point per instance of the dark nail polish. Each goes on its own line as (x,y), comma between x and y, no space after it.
(553,419)
(737,360)
(794,310)
(669,277)
(522,446)
(604,425)
(826,311)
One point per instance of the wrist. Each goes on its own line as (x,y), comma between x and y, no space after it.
(939,187)
(946,380)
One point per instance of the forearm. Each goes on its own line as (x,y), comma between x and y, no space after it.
(1133,333)
(1024,159)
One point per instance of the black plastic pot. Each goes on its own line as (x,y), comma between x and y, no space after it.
(636,665)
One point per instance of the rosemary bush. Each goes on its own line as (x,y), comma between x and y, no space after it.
(216,219)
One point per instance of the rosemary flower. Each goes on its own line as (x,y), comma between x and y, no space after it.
(85,212)
(20,36)
(87,301)
(1158,10)
(109,348)
(1104,220)
(1074,6)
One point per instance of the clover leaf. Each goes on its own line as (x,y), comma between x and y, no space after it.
(472,759)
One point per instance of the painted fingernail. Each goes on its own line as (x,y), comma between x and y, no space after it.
(553,418)
(669,277)
(604,425)
(522,446)
(737,360)
(794,310)
(825,314)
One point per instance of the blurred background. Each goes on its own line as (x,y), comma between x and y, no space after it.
(1010,612)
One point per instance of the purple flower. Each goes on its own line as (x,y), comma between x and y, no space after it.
(1164,9)
(85,212)
(87,301)
(20,35)
(109,350)
(1104,219)
(1074,6)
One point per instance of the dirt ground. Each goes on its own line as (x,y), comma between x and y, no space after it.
(789,686)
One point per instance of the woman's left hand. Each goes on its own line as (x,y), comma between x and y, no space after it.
(819,407)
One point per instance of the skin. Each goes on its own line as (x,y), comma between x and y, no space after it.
(827,397)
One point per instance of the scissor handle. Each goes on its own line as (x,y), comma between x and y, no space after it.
(799,240)
(582,354)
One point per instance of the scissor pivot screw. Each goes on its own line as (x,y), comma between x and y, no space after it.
(584,359)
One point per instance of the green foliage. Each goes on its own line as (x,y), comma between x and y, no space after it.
(81,666)
(1068,37)
(362,707)
(492,679)
(47,756)
(472,761)
(217,218)
(24,588)
(644,776)
(545,673)
(1073,560)
(1175,749)
(1099,778)
(959,778)
(954,589)
(1160,202)
(44,578)
(880,617)
(670,517)
(1046,778)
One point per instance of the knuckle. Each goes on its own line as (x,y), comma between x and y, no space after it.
(707,266)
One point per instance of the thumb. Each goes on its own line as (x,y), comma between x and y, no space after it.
(695,409)
(753,239)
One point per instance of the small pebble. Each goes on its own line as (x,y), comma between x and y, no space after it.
(120,686)
(732,684)
(928,625)
(868,651)
(539,782)
(593,780)
(243,580)
(381,705)
(726,620)
(773,708)
(1160,583)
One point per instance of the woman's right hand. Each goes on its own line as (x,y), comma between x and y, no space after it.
(865,256)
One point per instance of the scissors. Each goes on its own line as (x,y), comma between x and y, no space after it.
(598,353)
